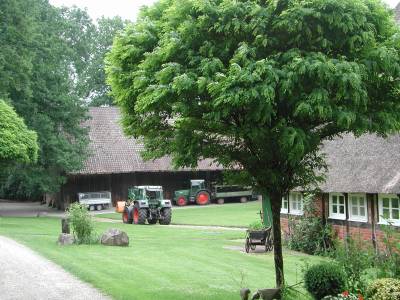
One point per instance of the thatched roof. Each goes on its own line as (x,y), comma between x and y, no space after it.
(368,164)
(113,152)
(397,13)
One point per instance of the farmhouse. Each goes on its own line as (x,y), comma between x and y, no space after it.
(115,164)
(362,188)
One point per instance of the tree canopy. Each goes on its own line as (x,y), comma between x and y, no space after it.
(257,84)
(36,77)
(17,142)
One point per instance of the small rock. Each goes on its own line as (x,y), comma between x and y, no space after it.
(65,239)
(115,237)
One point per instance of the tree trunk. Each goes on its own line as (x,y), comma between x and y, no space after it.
(276,229)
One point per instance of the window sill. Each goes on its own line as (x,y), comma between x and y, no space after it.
(296,213)
(343,218)
(396,223)
(284,211)
(358,220)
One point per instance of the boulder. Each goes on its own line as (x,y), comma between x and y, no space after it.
(65,239)
(115,237)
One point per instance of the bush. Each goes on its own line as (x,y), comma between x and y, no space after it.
(388,263)
(384,289)
(324,279)
(309,234)
(354,258)
(81,223)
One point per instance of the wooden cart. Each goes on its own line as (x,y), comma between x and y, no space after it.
(259,238)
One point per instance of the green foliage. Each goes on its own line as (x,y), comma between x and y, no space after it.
(257,85)
(17,142)
(388,263)
(82,224)
(253,85)
(38,66)
(93,83)
(384,289)
(354,258)
(309,234)
(324,279)
(257,225)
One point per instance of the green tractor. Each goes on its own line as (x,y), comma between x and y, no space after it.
(147,203)
(197,193)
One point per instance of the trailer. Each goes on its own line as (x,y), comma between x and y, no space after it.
(221,193)
(201,195)
(95,200)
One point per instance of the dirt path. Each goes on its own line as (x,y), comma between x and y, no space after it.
(26,275)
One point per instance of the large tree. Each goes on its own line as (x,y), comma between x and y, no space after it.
(257,84)
(37,78)
(95,89)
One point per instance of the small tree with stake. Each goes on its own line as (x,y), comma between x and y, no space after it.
(257,85)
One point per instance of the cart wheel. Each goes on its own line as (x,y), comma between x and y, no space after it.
(269,244)
(247,245)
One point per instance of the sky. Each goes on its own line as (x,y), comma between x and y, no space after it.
(126,9)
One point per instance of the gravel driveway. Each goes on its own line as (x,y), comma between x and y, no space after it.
(26,275)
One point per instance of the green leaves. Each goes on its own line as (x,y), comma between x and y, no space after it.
(18,144)
(259,85)
(43,51)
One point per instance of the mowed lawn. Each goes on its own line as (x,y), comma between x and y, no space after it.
(232,214)
(161,262)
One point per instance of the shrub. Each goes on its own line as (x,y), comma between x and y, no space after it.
(81,223)
(354,258)
(309,234)
(324,279)
(388,263)
(384,289)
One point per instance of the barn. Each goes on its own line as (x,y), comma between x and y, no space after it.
(115,163)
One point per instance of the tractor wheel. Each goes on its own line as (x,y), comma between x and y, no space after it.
(139,215)
(125,216)
(203,198)
(152,221)
(181,201)
(166,214)
(221,201)
(243,200)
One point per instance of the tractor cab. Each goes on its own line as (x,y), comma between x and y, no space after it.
(195,186)
(146,193)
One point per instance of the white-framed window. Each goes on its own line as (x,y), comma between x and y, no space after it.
(296,203)
(285,204)
(337,207)
(358,207)
(389,209)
